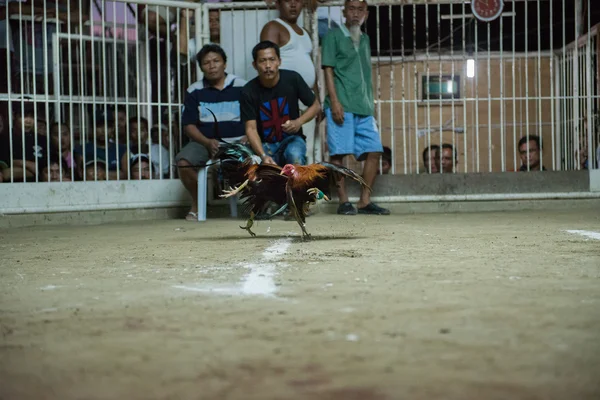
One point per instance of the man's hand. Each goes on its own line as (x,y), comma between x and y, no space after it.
(212,146)
(337,112)
(268,160)
(291,126)
(321,117)
(244,140)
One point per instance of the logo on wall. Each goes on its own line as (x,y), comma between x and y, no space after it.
(273,114)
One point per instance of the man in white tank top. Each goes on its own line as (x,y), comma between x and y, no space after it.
(296,47)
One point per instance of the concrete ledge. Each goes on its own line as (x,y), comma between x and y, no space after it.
(479,206)
(478,183)
(222,212)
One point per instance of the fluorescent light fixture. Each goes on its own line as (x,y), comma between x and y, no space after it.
(449,86)
(470,68)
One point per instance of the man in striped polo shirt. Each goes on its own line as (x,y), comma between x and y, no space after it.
(220,92)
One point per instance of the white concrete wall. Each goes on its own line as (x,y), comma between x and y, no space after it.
(19,198)
(595,180)
(240,32)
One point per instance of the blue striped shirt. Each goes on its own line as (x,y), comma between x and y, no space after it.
(225,104)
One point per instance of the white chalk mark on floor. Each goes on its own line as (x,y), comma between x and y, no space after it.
(259,281)
(590,234)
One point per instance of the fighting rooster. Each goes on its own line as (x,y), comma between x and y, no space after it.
(293,186)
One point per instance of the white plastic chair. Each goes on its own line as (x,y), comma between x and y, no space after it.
(203,194)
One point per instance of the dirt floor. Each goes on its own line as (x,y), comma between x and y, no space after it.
(438,306)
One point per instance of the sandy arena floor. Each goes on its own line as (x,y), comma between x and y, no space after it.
(455,306)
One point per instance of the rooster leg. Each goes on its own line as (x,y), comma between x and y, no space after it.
(249,224)
(233,191)
(305,234)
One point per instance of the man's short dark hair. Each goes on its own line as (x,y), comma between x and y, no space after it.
(265,44)
(211,48)
(452,149)
(527,139)
(362,1)
(428,149)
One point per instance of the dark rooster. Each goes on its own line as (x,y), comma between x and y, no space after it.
(236,161)
(294,186)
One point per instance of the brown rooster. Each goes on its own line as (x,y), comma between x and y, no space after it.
(294,186)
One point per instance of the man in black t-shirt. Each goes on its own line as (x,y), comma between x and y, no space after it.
(27,146)
(269,109)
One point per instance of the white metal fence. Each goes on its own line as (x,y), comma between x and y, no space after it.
(440,77)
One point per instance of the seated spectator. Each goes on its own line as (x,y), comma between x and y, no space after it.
(121,131)
(100,148)
(27,146)
(386,161)
(42,127)
(431,159)
(55,172)
(140,167)
(529,150)
(219,92)
(140,143)
(270,111)
(60,143)
(94,170)
(160,139)
(449,158)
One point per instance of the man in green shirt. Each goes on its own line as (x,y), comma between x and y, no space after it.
(349,105)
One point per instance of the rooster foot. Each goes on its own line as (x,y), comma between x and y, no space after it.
(233,191)
(249,224)
(305,235)
(317,193)
(246,228)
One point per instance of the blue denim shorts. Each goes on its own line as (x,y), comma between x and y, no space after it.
(358,135)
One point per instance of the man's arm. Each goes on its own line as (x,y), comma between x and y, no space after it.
(337,111)
(212,145)
(271,31)
(255,142)
(306,95)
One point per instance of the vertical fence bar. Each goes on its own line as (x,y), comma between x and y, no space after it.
(428,100)
(476,98)
(58,90)
(415,86)
(454,145)
(379,116)
(392,94)
(440,104)
(576,83)
(464,85)
(552,82)
(556,103)
(527,81)
(93,135)
(502,119)
(489,93)
(34,89)
(539,81)
(588,77)
(405,145)
(81,62)
(46,88)
(10,90)
(514,92)
(116,86)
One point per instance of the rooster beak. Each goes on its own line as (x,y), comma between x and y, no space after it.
(281,173)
